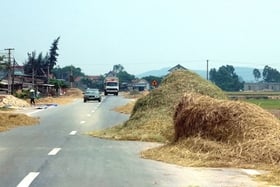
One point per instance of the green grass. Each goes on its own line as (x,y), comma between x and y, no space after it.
(254,93)
(262,99)
(266,103)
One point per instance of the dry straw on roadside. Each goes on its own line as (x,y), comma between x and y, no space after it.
(153,113)
(74,92)
(221,133)
(70,95)
(243,130)
(201,127)
(12,102)
(11,120)
(151,118)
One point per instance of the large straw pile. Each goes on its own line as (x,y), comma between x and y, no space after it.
(173,88)
(12,102)
(151,118)
(245,130)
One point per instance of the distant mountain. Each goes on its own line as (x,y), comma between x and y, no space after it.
(157,73)
(246,73)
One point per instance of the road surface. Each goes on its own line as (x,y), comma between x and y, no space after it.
(58,153)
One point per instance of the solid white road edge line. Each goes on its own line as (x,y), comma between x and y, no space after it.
(26,181)
(73,133)
(33,112)
(54,151)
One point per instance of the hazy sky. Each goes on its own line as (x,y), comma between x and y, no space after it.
(144,35)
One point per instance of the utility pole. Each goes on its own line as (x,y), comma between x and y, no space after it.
(13,76)
(207,71)
(9,69)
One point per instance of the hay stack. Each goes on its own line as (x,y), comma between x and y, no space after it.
(12,102)
(152,114)
(248,130)
(173,88)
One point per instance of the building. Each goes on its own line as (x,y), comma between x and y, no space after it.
(21,81)
(140,85)
(177,67)
(262,86)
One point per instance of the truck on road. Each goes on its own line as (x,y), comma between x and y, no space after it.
(111,85)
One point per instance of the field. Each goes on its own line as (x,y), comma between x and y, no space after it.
(253,95)
(269,101)
(266,103)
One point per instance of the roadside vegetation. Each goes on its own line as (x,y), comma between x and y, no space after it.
(199,126)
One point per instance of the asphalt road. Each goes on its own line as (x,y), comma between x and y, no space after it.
(58,153)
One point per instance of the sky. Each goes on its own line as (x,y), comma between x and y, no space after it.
(144,35)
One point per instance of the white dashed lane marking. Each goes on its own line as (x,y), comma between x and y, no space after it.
(28,179)
(88,115)
(54,151)
(82,122)
(93,111)
(73,133)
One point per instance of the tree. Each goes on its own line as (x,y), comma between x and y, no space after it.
(125,77)
(270,74)
(118,68)
(41,65)
(38,64)
(257,74)
(226,78)
(3,65)
(93,84)
(58,83)
(53,54)
(65,72)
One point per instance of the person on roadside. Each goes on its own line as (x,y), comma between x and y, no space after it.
(32,96)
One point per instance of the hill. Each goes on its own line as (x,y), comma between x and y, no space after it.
(246,73)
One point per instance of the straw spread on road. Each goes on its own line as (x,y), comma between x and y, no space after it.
(199,126)
(10,105)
